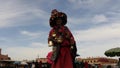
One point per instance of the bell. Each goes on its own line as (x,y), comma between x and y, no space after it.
(59,40)
(54,35)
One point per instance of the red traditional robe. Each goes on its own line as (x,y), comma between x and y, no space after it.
(64,59)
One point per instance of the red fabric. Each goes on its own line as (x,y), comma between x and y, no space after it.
(66,32)
(49,58)
(40,64)
(65,59)
(86,65)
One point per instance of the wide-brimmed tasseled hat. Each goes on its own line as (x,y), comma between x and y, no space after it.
(56,15)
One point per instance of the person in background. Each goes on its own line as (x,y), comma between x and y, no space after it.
(49,57)
(33,65)
(40,64)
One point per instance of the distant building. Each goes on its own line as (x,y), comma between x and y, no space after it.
(43,60)
(90,60)
(98,60)
(4,57)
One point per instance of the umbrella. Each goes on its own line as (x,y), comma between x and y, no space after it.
(113,52)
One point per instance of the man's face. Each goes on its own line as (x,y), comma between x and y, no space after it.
(58,21)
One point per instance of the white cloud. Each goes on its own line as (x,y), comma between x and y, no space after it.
(7,13)
(77,21)
(96,19)
(29,53)
(99,19)
(40,13)
(37,44)
(99,33)
(14,13)
(95,41)
(3,39)
(71,1)
(89,4)
(96,50)
(27,33)
(4,24)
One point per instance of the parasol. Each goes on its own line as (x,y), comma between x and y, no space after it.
(113,52)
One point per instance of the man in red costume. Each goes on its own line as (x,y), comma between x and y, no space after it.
(62,39)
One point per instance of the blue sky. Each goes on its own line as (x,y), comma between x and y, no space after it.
(24,26)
